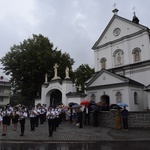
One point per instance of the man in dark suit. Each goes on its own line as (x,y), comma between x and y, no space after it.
(87,115)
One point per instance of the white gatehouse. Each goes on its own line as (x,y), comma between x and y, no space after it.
(58,91)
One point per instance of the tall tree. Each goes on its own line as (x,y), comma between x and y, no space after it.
(82,74)
(28,63)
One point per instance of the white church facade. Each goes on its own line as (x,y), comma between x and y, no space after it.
(122,69)
(122,64)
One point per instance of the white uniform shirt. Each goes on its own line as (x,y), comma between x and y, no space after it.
(23,114)
(50,114)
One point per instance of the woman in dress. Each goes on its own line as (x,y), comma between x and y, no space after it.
(118,119)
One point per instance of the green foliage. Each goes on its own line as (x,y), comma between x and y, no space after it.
(28,63)
(82,74)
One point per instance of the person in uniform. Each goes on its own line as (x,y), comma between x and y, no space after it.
(51,117)
(6,120)
(60,113)
(15,117)
(37,116)
(32,115)
(22,115)
(42,112)
(56,121)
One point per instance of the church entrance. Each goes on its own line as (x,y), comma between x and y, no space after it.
(55,98)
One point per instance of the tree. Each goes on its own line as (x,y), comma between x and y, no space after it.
(82,74)
(28,63)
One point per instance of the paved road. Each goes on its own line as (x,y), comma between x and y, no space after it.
(70,133)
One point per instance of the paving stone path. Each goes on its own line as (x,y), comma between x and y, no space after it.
(65,132)
(71,133)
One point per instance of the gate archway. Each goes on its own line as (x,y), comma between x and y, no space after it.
(55,97)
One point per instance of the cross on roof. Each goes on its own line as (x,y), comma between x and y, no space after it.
(133,9)
(115,5)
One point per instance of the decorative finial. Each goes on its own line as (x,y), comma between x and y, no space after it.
(135,18)
(115,11)
(115,5)
(133,10)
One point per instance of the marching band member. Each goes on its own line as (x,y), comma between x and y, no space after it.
(37,116)
(6,120)
(50,116)
(45,111)
(56,119)
(32,115)
(60,114)
(22,115)
(15,117)
(42,112)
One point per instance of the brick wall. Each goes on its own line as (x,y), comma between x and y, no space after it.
(135,119)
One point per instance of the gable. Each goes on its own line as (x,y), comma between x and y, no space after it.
(105,78)
(125,26)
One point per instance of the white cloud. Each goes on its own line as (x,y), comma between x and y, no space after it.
(72,25)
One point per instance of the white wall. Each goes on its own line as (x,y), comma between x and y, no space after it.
(127,47)
(127,96)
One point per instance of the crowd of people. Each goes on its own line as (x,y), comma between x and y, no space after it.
(54,116)
(37,115)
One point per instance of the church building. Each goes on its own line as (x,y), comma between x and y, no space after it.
(122,64)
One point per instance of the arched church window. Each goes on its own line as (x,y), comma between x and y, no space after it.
(135,98)
(103,62)
(136,54)
(118,97)
(118,57)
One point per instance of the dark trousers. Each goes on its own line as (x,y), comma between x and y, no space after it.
(95,118)
(22,125)
(32,123)
(80,122)
(37,120)
(125,122)
(71,119)
(51,126)
(60,118)
(41,118)
(87,119)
